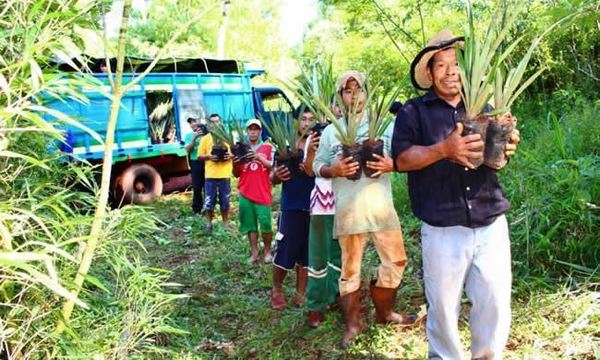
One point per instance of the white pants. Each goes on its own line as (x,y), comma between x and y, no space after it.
(479,260)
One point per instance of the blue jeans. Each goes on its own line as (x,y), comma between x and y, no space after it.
(214,188)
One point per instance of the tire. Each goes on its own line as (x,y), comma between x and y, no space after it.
(138,184)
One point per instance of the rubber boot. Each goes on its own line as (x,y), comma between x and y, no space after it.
(314,319)
(384,299)
(350,305)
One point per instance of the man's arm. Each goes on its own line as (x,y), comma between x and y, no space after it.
(190,146)
(456,148)
(312,147)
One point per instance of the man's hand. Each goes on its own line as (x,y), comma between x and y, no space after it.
(227,156)
(344,167)
(460,149)
(282,173)
(384,164)
(513,141)
(212,157)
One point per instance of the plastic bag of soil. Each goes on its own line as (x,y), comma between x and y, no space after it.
(356,152)
(291,161)
(219,151)
(371,147)
(241,151)
(478,125)
(498,135)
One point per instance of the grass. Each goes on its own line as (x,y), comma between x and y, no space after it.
(553,185)
(228,313)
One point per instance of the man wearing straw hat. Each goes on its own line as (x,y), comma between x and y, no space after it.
(464,233)
(363,208)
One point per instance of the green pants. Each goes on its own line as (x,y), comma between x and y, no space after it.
(324,263)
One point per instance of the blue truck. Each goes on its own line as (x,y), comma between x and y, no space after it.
(149,155)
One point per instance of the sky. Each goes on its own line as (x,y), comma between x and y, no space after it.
(295,17)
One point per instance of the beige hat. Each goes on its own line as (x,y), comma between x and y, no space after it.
(418,69)
(253,122)
(352,74)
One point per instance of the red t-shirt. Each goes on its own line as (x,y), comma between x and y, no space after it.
(254,183)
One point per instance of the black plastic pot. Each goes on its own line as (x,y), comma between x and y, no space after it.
(478,125)
(241,150)
(318,128)
(291,161)
(498,136)
(356,151)
(219,151)
(371,147)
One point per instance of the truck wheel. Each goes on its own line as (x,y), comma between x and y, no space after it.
(138,184)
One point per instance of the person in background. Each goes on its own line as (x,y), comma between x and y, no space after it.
(324,254)
(255,196)
(395,107)
(217,178)
(192,141)
(291,249)
(464,233)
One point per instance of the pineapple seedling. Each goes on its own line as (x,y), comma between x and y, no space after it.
(477,64)
(346,129)
(379,121)
(285,137)
(227,137)
(315,82)
(507,87)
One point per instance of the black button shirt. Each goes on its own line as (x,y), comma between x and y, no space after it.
(445,193)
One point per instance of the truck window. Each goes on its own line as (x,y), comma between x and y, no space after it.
(161,116)
(275,102)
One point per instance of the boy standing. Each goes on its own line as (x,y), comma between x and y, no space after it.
(218,174)
(291,249)
(254,187)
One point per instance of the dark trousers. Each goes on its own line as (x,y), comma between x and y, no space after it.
(197,170)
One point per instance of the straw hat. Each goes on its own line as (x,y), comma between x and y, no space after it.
(418,69)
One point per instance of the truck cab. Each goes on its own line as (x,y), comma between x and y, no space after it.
(149,155)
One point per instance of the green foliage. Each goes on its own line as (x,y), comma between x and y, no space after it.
(507,89)
(251,32)
(378,110)
(229,133)
(553,184)
(283,131)
(39,223)
(316,81)
(480,57)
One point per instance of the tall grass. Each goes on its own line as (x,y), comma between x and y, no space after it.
(554,186)
(47,202)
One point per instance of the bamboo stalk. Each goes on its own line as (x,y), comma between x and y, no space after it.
(96,232)
(118,90)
